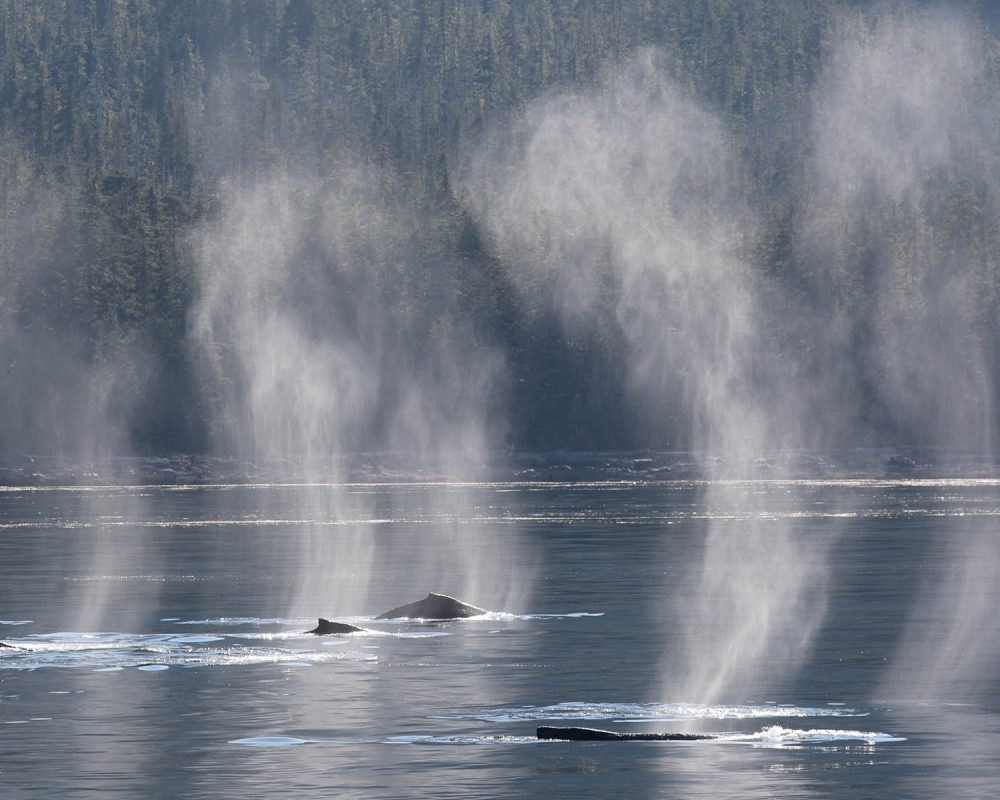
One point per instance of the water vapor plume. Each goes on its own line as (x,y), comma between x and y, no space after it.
(73,369)
(900,204)
(57,396)
(622,207)
(907,159)
(328,329)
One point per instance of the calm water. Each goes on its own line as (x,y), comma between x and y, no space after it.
(159,657)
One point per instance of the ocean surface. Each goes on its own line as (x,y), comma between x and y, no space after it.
(158,644)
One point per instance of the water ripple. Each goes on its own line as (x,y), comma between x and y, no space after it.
(154,652)
(649,712)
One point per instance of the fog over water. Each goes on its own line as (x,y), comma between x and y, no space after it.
(905,122)
(330,318)
(316,350)
(622,205)
(300,301)
(60,395)
(905,161)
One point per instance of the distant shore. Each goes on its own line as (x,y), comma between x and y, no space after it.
(24,470)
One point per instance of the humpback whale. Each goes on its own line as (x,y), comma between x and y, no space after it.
(434,606)
(597,735)
(326,628)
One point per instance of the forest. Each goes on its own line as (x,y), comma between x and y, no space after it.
(846,162)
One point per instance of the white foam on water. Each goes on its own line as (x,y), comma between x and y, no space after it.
(778,736)
(63,643)
(16,621)
(227,621)
(203,638)
(135,579)
(460,740)
(111,652)
(570,615)
(269,637)
(250,656)
(647,712)
(271,741)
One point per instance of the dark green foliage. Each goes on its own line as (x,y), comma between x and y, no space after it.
(119,120)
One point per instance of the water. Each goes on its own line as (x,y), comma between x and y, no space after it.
(192,682)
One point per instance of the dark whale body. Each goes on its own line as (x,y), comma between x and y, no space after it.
(327,628)
(434,606)
(597,735)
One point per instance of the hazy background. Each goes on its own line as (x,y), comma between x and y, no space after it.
(290,231)
(841,154)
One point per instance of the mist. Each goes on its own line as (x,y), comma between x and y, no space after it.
(60,396)
(71,388)
(905,150)
(334,313)
(329,328)
(906,161)
(622,206)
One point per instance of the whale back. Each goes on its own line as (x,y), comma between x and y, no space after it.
(327,628)
(434,606)
(598,735)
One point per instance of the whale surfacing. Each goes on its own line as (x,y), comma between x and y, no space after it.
(434,606)
(327,628)
(598,735)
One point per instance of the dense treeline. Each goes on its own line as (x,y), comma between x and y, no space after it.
(122,121)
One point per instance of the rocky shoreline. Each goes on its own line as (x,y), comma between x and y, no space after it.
(22,470)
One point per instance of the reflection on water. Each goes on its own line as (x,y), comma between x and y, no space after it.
(150,652)
(652,712)
(197,682)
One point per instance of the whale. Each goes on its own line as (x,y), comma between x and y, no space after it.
(598,735)
(327,628)
(434,606)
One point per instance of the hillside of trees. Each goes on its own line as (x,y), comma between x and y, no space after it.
(124,125)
